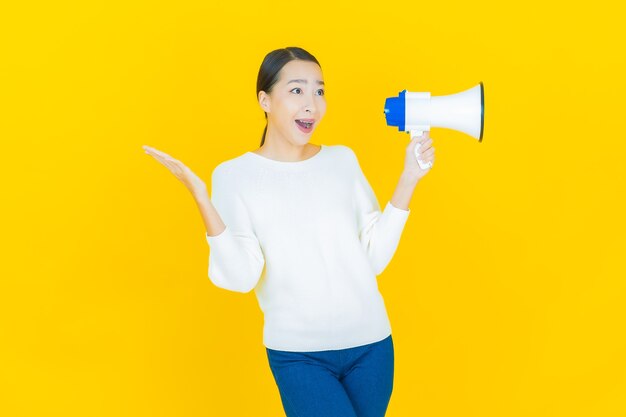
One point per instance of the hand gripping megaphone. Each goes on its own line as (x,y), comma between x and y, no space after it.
(417,112)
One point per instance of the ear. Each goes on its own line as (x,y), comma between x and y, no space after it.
(264,101)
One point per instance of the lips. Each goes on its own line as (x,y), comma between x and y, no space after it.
(306,128)
(305,123)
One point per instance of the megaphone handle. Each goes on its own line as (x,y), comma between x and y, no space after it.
(422,164)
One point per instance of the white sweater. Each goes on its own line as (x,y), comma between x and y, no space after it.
(309,238)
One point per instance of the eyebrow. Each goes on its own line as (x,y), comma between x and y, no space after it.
(299,80)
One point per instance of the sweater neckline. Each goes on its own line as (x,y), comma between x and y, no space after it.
(274,162)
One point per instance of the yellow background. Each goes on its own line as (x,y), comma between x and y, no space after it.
(506,294)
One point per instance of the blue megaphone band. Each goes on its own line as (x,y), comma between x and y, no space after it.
(395,111)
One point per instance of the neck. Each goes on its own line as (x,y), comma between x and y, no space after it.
(277,147)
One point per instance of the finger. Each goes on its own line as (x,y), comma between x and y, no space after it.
(157,157)
(150,150)
(173,168)
(160,153)
(425,142)
(425,147)
(166,157)
(413,143)
(161,161)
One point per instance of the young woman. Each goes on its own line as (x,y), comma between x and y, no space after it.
(300,225)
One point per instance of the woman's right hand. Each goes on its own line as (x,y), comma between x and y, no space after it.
(180,170)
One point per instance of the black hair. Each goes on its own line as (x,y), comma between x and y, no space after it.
(271,66)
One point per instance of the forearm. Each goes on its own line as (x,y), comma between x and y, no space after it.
(404,191)
(211,218)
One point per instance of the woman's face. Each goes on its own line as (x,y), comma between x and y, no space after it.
(298,94)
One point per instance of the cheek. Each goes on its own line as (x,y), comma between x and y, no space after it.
(288,108)
(322,107)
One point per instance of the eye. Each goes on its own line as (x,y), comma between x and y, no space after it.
(322,90)
(297,88)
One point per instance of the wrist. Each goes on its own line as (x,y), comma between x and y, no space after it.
(409,177)
(199,194)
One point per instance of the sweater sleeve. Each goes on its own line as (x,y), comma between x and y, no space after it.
(235,259)
(379,233)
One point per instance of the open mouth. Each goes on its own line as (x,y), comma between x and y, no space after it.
(305,126)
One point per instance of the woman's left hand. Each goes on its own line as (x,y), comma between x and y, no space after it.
(426,154)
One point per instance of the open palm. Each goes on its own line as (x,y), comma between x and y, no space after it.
(176,167)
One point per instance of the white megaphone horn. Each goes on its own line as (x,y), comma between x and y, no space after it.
(417,112)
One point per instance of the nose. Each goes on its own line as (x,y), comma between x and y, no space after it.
(310,107)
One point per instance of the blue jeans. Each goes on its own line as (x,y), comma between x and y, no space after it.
(353,382)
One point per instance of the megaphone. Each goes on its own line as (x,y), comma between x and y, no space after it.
(417,112)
